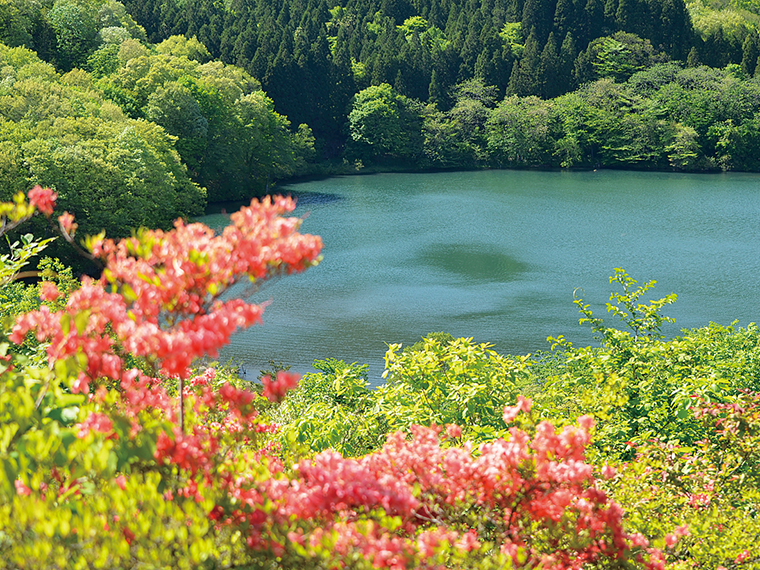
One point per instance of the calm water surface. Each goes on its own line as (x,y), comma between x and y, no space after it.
(498,255)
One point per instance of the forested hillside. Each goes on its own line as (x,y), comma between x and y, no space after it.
(312,57)
(130,134)
(245,92)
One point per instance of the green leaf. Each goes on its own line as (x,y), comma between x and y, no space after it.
(65,324)
(82,320)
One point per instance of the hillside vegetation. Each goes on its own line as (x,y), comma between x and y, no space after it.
(312,57)
(233,96)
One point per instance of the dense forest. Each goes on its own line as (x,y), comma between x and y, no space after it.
(249,92)
(312,57)
(120,107)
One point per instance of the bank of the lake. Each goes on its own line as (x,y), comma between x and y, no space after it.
(499,255)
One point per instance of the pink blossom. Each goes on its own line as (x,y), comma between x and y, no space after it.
(22,489)
(43,199)
(511,412)
(608,472)
(453,431)
(49,291)
(95,422)
(66,221)
(275,390)
(468,541)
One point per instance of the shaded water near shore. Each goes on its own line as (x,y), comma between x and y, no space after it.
(498,256)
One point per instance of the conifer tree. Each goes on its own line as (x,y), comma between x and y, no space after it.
(435,90)
(564,17)
(675,28)
(750,53)
(538,15)
(549,68)
(567,55)
(692,60)
(592,22)
(524,80)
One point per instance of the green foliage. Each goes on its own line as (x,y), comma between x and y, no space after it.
(639,385)
(449,381)
(512,35)
(385,124)
(424,53)
(22,251)
(112,172)
(709,489)
(439,380)
(331,408)
(18,298)
(180,46)
(76,32)
(458,136)
(230,137)
(40,435)
(104,61)
(686,462)
(643,320)
(518,132)
(621,55)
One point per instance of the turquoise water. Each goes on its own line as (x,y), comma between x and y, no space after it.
(498,256)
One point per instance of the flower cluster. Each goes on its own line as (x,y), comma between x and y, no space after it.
(160,291)
(275,390)
(520,484)
(43,199)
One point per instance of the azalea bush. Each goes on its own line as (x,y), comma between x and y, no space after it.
(166,465)
(677,418)
(700,502)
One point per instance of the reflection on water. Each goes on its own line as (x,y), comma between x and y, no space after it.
(496,255)
(473,262)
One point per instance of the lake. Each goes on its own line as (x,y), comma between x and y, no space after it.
(498,256)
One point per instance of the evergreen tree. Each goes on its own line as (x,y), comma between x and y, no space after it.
(717,49)
(750,53)
(538,15)
(692,60)
(583,72)
(564,17)
(629,15)
(524,80)
(549,70)
(567,55)
(676,29)
(436,93)
(592,24)
(514,10)
(610,17)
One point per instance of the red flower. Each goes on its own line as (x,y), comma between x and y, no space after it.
(275,390)
(43,199)
(49,291)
